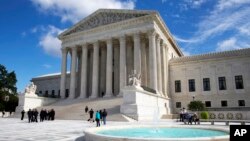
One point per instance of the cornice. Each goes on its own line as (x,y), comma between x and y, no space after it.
(215,55)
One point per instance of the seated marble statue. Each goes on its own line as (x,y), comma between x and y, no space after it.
(30,89)
(134,79)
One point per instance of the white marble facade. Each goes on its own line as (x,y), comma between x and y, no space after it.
(107,45)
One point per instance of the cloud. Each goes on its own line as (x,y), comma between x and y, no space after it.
(47,66)
(185,52)
(231,44)
(49,41)
(191,4)
(184,40)
(75,10)
(227,18)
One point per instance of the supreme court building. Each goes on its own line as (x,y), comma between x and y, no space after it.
(105,47)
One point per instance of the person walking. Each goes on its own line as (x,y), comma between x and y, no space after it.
(91,113)
(22,114)
(104,115)
(97,118)
(100,116)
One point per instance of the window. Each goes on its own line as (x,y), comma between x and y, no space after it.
(191,83)
(208,103)
(206,84)
(239,82)
(58,93)
(178,104)
(40,92)
(222,83)
(241,102)
(223,103)
(178,86)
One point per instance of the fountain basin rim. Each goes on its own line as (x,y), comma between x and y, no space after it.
(92,135)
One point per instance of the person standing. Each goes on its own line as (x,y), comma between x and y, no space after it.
(100,116)
(22,114)
(41,115)
(35,115)
(104,115)
(97,118)
(52,114)
(86,109)
(3,113)
(30,115)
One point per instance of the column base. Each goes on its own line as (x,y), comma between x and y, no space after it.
(93,97)
(107,96)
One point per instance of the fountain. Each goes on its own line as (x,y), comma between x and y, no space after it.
(163,133)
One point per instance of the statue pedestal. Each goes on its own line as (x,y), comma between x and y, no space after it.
(143,105)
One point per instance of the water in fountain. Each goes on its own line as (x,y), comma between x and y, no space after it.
(156,119)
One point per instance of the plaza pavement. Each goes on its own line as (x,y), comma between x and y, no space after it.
(13,129)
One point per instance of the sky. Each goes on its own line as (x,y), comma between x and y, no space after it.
(29,28)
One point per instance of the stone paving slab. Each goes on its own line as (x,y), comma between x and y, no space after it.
(13,129)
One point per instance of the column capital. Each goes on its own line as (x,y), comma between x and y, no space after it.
(64,50)
(151,32)
(158,39)
(122,37)
(96,44)
(109,41)
(84,45)
(73,48)
(136,35)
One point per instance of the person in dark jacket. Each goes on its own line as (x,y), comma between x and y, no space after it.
(52,114)
(104,116)
(86,109)
(35,115)
(22,114)
(29,115)
(91,113)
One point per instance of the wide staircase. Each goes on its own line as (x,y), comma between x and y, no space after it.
(74,109)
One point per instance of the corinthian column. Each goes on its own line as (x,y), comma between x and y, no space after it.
(159,73)
(73,73)
(137,53)
(166,71)
(152,60)
(109,68)
(95,75)
(164,86)
(123,79)
(63,72)
(83,93)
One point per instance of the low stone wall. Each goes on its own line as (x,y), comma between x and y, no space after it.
(27,102)
(229,115)
(142,105)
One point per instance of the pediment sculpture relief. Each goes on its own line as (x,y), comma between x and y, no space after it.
(104,19)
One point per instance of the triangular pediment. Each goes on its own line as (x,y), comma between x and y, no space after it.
(104,17)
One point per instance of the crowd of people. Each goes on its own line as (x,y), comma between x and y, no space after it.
(100,116)
(188,117)
(44,115)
